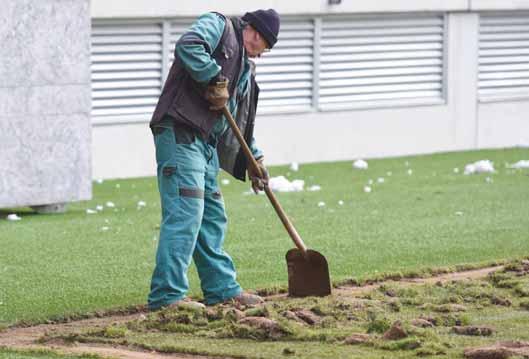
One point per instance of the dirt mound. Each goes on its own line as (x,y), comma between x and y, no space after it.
(357,338)
(500,350)
(396,332)
(308,316)
(422,323)
(269,328)
(473,330)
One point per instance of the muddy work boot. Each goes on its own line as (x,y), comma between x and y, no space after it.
(246,299)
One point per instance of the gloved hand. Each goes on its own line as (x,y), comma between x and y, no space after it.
(217,93)
(258,182)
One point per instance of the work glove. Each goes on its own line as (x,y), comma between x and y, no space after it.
(217,92)
(258,181)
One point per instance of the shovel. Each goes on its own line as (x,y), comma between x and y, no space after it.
(308,271)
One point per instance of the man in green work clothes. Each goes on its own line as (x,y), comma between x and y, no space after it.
(192,139)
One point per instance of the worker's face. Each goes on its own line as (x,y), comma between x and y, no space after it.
(254,42)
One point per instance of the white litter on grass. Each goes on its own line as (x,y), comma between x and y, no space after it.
(321,204)
(141,204)
(380,180)
(99,180)
(360,165)
(225,181)
(105,228)
(13,217)
(294,166)
(314,188)
(90,211)
(520,164)
(367,189)
(340,202)
(488,180)
(99,208)
(483,166)
(370,182)
(459,213)
(110,204)
(456,170)
(410,172)
(281,184)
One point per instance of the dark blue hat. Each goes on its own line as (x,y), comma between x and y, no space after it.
(266,22)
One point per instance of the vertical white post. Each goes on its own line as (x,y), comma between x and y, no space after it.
(316,47)
(463,47)
(166,37)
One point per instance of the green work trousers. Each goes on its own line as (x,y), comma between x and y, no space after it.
(193,222)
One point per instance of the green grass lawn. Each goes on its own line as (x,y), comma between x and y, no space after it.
(55,265)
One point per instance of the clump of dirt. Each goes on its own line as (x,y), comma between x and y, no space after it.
(233,315)
(394,305)
(290,315)
(503,279)
(449,308)
(263,328)
(422,323)
(357,338)
(308,316)
(500,350)
(395,332)
(520,268)
(497,300)
(483,331)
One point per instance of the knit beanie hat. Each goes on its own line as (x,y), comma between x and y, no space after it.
(266,22)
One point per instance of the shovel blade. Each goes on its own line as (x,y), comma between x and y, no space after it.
(307,276)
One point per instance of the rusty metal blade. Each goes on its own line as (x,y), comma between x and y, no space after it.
(307,276)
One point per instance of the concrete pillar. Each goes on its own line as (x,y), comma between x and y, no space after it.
(45,103)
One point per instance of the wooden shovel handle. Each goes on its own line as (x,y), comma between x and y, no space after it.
(275,203)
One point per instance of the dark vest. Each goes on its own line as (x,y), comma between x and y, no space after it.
(183,99)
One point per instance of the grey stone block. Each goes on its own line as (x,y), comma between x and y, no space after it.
(45,161)
(44,42)
(45,129)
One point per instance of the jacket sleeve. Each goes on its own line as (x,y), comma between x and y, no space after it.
(196,47)
(256,152)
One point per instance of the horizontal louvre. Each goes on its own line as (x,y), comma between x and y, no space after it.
(381,58)
(504,56)
(177,29)
(284,74)
(126,68)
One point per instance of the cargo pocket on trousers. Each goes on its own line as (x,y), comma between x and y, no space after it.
(168,180)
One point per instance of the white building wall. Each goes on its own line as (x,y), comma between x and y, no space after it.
(170,8)
(503,124)
(462,122)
